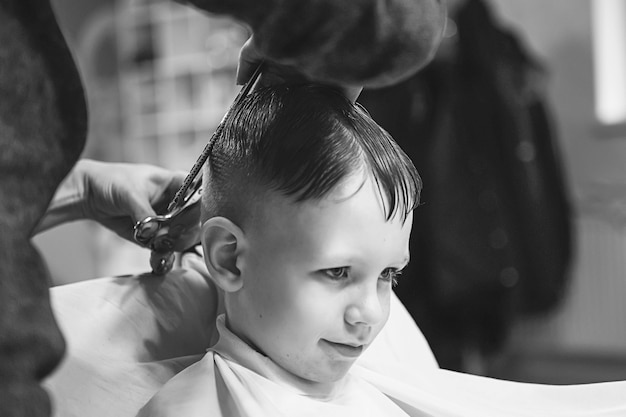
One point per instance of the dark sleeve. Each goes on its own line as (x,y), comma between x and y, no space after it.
(358,42)
(43,125)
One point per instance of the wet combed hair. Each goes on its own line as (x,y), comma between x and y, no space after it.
(302,141)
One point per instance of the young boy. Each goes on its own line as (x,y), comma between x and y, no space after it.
(307,211)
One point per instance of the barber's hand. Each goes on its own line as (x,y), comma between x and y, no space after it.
(117,195)
(278,73)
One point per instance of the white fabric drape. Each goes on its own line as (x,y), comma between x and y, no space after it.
(131,338)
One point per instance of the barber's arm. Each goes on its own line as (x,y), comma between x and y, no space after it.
(275,73)
(115,195)
(357,43)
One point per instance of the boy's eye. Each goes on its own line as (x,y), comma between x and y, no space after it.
(391,275)
(337,273)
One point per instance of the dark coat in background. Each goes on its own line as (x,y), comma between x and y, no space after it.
(492,239)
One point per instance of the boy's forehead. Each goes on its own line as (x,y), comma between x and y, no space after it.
(274,206)
(347,188)
(329,233)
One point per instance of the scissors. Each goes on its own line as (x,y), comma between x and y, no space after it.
(178,230)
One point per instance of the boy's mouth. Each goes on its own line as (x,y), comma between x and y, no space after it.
(345,350)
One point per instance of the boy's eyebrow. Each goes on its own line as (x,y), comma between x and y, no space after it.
(348,258)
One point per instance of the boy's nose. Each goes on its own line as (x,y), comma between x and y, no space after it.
(366,308)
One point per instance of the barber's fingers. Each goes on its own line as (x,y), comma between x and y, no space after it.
(249,59)
(138,207)
(177,179)
(153,197)
(121,226)
(277,73)
(166,190)
(273,72)
(352,93)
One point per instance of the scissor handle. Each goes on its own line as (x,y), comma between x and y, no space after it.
(162,232)
(145,229)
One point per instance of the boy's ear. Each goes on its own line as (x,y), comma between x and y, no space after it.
(223,243)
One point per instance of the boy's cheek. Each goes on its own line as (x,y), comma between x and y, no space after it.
(383,322)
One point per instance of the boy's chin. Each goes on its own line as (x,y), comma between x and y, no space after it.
(330,376)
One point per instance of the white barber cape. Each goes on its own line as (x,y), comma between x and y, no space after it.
(234,380)
(137,346)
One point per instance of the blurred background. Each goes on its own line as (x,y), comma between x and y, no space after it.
(159,76)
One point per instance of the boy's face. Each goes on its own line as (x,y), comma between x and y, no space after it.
(317,280)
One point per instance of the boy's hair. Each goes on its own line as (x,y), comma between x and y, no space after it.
(302,141)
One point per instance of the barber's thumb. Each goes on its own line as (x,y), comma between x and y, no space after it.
(177,180)
(139,208)
(249,59)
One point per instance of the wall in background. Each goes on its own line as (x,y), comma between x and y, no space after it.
(591,320)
